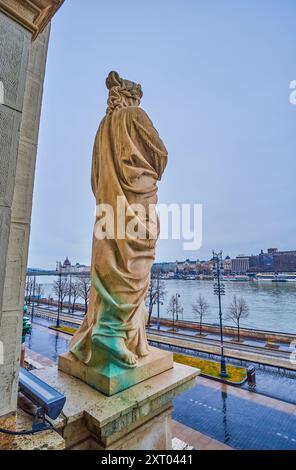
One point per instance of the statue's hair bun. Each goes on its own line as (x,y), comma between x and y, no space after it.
(120,91)
(113,80)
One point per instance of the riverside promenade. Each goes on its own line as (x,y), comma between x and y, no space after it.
(251,349)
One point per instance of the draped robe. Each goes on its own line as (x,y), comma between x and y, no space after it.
(128,159)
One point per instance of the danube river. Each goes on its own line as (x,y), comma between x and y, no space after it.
(272,306)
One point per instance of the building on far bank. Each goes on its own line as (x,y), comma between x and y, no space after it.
(284,261)
(67,267)
(66,264)
(206,267)
(164,268)
(186,267)
(240,264)
(227,265)
(273,261)
(270,261)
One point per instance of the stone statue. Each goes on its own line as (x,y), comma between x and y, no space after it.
(128,161)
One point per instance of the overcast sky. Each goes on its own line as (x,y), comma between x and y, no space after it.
(215,76)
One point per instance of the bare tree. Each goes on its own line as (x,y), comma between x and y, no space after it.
(60,289)
(200,308)
(237,311)
(75,293)
(29,288)
(39,292)
(155,293)
(26,289)
(175,308)
(84,284)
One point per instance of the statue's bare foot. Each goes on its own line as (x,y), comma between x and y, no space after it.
(117,348)
(143,350)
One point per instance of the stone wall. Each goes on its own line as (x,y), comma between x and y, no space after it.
(22,68)
(230,330)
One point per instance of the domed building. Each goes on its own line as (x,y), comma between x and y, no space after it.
(67,264)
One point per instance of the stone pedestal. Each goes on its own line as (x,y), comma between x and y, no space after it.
(109,377)
(135,419)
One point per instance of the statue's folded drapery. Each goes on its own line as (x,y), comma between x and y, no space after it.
(128,159)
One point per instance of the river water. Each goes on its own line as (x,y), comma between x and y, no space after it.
(272,306)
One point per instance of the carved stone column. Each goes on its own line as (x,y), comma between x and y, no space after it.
(33,15)
(24,33)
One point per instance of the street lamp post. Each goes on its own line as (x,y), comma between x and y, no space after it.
(174,302)
(175,306)
(219,289)
(70,294)
(33,303)
(59,299)
(158,302)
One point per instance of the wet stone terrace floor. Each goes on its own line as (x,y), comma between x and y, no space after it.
(270,381)
(239,422)
(47,342)
(231,415)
